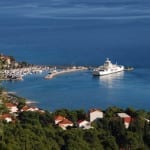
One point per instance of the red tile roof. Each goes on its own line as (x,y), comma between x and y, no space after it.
(127,119)
(59,117)
(65,121)
(25,108)
(4,116)
(10,105)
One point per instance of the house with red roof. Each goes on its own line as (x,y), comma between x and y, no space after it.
(95,114)
(24,108)
(6,117)
(65,123)
(126,119)
(29,108)
(12,107)
(58,119)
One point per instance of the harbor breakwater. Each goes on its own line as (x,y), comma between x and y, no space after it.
(55,73)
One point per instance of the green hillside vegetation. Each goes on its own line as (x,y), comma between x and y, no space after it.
(37,131)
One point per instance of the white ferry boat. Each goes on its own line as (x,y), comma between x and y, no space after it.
(107,68)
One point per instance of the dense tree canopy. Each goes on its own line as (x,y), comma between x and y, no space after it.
(35,131)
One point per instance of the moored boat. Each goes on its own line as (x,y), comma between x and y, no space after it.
(107,68)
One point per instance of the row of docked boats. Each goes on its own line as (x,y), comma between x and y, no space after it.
(19,73)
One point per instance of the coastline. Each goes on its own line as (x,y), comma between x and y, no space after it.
(14,95)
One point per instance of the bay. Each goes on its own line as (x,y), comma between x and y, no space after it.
(64,32)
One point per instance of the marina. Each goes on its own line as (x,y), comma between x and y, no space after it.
(19,73)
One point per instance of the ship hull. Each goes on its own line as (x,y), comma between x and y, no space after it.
(102,73)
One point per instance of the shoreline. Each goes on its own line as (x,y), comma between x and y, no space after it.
(14,95)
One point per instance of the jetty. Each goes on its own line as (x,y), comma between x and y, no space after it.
(55,73)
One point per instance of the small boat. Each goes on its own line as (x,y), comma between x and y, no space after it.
(129,68)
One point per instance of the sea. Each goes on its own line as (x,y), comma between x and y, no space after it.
(79,32)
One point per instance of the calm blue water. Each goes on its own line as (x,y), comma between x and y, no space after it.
(84,33)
